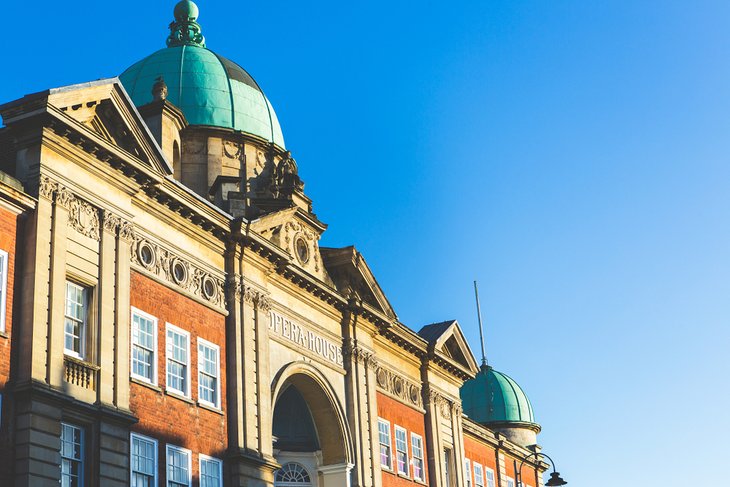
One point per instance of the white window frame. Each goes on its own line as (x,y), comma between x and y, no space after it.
(4,258)
(388,467)
(205,458)
(406,468)
(205,343)
(84,325)
(135,436)
(155,352)
(169,327)
(479,467)
(509,481)
(467,472)
(167,465)
(490,482)
(422,477)
(82,452)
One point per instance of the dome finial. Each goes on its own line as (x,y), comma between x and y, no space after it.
(481,328)
(184,30)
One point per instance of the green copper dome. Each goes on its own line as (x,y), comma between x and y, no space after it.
(493,397)
(208,88)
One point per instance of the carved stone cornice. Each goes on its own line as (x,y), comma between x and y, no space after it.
(398,386)
(176,270)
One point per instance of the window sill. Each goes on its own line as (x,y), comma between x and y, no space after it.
(419,481)
(3,334)
(178,395)
(385,469)
(404,476)
(210,408)
(144,383)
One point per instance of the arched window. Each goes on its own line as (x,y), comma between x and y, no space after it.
(292,474)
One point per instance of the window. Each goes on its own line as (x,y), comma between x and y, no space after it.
(478,475)
(178,467)
(490,477)
(178,360)
(208,373)
(144,346)
(292,474)
(144,461)
(3,287)
(77,315)
(447,466)
(401,450)
(72,456)
(384,439)
(210,472)
(510,482)
(417,452)
(467,471)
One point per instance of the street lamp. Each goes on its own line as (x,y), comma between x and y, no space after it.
(555,479)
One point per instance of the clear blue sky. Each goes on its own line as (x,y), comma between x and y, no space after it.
(573,156)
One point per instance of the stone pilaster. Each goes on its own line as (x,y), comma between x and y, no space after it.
(434,448)
(122,305)
(33,332)
(356,401)
(263,377)
(107,319)
(54,373)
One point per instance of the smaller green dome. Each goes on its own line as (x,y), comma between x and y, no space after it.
(493,397)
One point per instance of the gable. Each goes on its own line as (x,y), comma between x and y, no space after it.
(354,279)
(103,111)
(447,341)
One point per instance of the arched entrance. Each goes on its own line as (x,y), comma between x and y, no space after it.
(310,435)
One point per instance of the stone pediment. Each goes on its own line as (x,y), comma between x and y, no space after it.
(447,342)
(297,233)
(354,279)
(101,117)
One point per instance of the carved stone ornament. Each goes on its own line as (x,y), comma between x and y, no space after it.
(126,231)
(193,146)
(176,270)
(111,221)
(46,187)
(398,386)
(232,149)
(84,218)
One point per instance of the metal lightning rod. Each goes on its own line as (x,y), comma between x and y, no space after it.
(481,328)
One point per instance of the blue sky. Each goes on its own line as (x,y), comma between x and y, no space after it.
(571,156)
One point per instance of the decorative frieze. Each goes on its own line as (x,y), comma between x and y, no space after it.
(398,386)
(82,216)
(176,270)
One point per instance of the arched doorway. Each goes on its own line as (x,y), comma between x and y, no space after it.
(310,434)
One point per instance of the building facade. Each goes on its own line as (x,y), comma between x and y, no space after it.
(168,316)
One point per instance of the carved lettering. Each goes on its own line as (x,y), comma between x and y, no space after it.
(299,335)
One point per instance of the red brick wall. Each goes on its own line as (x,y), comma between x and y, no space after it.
(481,453)
(168,419)
(528,473)
(413,421)
(8,232)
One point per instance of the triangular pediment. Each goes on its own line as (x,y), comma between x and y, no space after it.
(354,279)
(298,234)
(103,111)
(447,340)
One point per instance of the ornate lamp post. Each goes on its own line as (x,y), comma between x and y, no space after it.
(555,479)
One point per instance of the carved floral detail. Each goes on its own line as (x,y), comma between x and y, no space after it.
(398,386)
(162,263)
